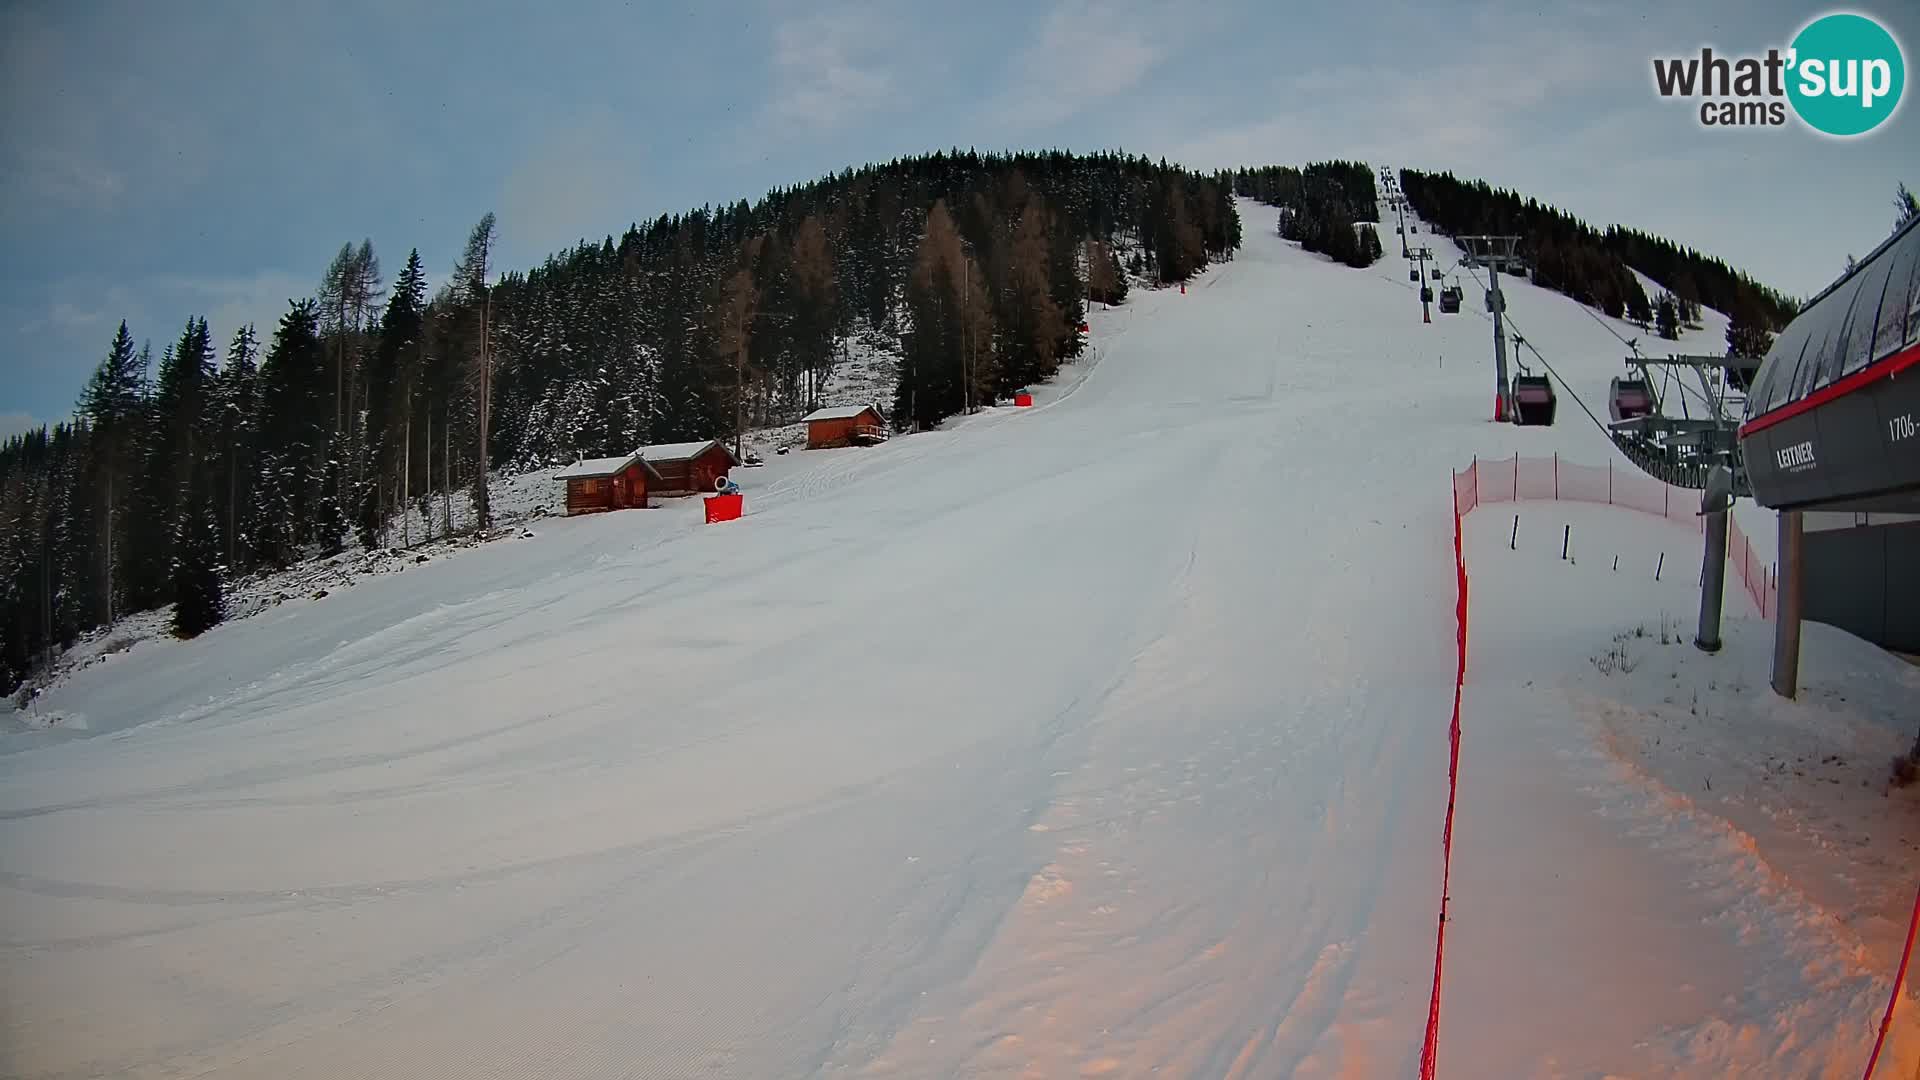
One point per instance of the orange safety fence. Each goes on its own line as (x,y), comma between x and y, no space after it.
(1430,1047)
(1519,478)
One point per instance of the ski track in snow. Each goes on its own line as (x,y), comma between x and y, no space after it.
(1097,738)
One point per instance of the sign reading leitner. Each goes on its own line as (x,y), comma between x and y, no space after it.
(1842,75)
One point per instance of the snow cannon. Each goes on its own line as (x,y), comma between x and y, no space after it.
(724,507)
(724,485)
(1023,398)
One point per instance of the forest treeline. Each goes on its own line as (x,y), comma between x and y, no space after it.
(222,458)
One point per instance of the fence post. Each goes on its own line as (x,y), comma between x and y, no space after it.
(1516,476)
(1609,481)
(1556,476)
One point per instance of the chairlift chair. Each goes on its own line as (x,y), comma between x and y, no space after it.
(1533,401)
(1629,398)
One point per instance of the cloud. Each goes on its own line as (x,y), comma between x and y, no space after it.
(832,66)
(1487,99)
(577,181)
(231,302)
(1083,53)
(63,176)
(18,423)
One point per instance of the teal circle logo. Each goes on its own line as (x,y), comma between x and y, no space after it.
(1846,74)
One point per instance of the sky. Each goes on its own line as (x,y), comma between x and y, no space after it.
(160,162)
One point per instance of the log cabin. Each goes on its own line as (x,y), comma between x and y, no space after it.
(614,483)
(845,425)
(689,467)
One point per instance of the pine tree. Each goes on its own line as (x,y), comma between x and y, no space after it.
(947,347)
(294,420)
(236,401)
(1667,317)
(331,518)
(1906,207)
(1747,333)
(392,375)
(472,300)
(1033,324)
(815,296)
(199,588)
(113,407)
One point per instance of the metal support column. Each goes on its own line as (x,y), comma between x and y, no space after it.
(1786,625)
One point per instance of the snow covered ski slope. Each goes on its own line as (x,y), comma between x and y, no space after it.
(1096,738)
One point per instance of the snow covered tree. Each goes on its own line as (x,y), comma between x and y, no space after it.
(1906,207)
(471,295)
(294,421)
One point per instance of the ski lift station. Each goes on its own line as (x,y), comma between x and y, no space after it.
(1830,438)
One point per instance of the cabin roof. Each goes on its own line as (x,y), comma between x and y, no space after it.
(841,412)
(681,451)
(592,468)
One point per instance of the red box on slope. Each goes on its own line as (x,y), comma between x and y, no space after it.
(724,507)
(1023,400)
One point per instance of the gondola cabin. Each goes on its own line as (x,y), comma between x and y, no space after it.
(845,425)
(1450,300)
(689,467)
(1533,401)
(1629,398)
(614,483)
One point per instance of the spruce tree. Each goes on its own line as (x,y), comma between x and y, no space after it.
(113,407)
(1666,317)
(199,588)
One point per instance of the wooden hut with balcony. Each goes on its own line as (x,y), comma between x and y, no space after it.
(845,425)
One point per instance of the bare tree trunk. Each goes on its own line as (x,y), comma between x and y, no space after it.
(110,475)
(406,476)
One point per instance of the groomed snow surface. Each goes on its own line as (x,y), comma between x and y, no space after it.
(1104,737)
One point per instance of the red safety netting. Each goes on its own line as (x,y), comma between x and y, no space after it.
(1464,499)
(1549,478)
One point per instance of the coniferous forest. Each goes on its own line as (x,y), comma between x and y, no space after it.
(222,458)
(1567,255)
(1330,207)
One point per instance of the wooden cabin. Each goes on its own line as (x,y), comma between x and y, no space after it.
(688,468)
(845,425)
(614,483)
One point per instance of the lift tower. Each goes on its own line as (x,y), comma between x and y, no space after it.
(1496,253)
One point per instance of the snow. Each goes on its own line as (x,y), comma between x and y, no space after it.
(606,466)
(1103,737)
(1737,860)
(838,412)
